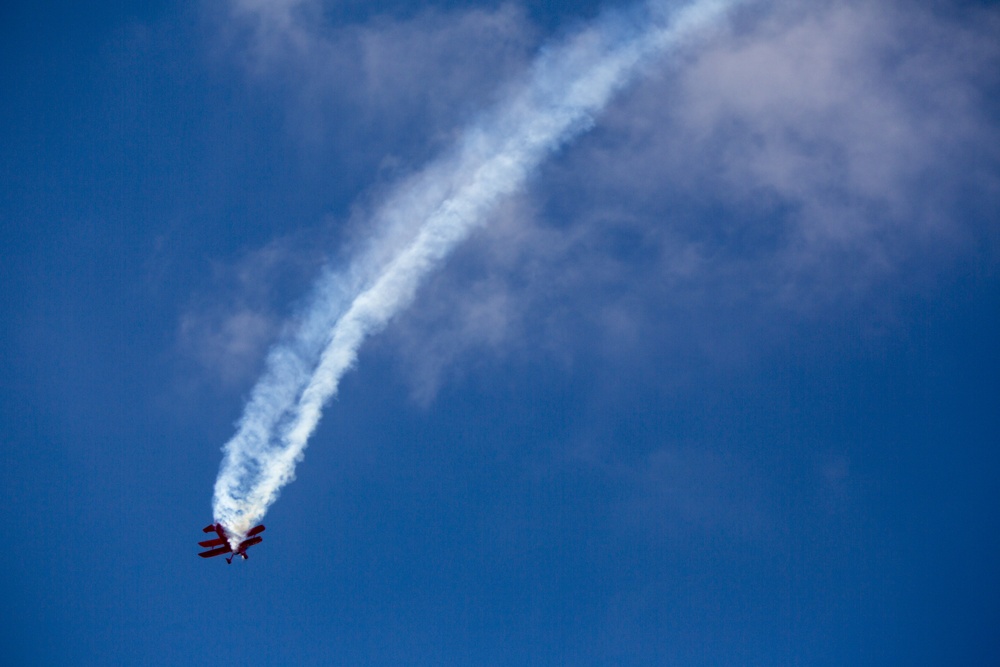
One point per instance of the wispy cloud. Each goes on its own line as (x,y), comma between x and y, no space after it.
(227,327)
(382,86)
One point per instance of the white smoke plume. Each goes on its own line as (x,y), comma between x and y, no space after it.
(417,226)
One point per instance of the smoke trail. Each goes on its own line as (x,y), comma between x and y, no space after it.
(419,224)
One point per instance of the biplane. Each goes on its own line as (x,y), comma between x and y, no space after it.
(221,544)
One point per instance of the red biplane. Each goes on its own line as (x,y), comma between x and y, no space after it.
(222,546)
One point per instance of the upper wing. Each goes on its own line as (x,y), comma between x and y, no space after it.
(256,531)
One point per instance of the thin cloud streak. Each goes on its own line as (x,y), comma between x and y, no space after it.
(419,224)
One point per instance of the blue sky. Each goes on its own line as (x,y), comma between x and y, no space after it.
(718,385)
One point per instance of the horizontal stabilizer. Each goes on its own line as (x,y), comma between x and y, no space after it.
(256,531)
(212,543)
(252,541)
(208,529)
(214,552)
